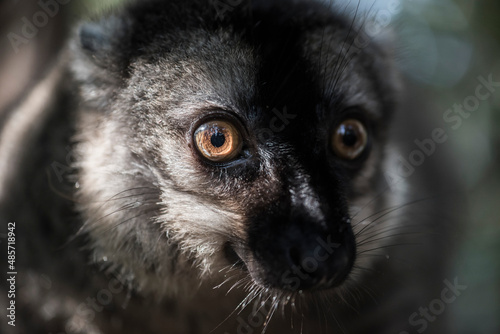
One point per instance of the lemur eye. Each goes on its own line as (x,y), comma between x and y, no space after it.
(218,141)
(349,139)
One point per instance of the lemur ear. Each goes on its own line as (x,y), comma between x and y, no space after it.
(106,42)
(100,55)
(94,38)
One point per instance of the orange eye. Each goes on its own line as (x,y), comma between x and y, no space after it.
(218,141)
(349,139)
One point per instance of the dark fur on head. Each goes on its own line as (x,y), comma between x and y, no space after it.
(148,75)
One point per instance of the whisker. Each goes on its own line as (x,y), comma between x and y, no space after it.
(387,211)
(129,219)
(370,240)
(389,246)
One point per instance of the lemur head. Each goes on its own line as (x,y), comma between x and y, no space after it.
(243,141)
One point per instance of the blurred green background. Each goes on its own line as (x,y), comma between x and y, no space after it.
(454,42)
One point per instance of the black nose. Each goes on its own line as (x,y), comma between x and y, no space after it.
(301,256)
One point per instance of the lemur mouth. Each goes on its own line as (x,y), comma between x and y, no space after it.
(234,258)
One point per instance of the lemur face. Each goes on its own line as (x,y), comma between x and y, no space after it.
(246,143)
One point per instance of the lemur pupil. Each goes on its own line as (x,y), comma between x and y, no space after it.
(350,138)
(218,139)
